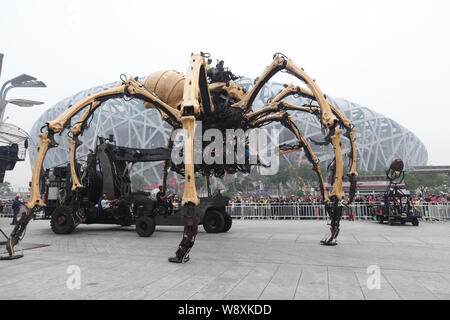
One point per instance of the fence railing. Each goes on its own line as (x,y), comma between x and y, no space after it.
(7,212)
(433,212)
(289,210)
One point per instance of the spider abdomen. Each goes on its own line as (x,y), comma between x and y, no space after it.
(168,85)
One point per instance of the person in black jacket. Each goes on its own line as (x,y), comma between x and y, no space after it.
(16,206)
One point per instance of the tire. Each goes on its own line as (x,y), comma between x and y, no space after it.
(380,220)
(145,226)
(403,222)
(415,222)
(213,221)
(228,222)
(391,222)
(62,221)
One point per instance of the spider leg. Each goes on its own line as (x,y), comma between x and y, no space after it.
(343,122)
(276,106)
(329,117)
(333,202)
(336,206)
(287,122)
(279,63)
(130,87)
(195,86)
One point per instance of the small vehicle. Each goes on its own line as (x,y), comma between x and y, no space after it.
(397,212)
(396,206)
(107,172)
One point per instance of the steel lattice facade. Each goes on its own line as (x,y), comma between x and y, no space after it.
(379,140)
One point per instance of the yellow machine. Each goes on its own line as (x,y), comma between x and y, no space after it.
(184,99)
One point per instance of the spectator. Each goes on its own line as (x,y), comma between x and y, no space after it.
(16,206)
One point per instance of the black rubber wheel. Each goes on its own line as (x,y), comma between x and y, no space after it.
(228,222)
(403,222)
(213,221)
(62,221)
(145,226)
(380,220)
(415,222)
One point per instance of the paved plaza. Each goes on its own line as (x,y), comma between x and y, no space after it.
(256,259)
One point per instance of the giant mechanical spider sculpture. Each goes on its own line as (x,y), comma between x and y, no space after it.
(221,104)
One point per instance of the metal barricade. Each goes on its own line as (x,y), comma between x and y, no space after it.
(434,211)
(307,210)
(7,211)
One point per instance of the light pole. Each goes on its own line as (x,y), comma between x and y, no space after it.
(9,154)
(22,81)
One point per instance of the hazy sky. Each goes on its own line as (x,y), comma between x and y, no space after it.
(390,56)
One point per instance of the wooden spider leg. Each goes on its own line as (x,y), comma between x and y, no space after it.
(343,121)
(287,122)
(195,86)
(337,186)
(130,87)
(333,203)
(46,142)
(336,206)
(279,63)
(277,107)
(295,90)
(74,144)
(190,199)
(56,126)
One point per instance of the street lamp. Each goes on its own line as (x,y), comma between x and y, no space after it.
(10,154)
(24,102)
(22,81)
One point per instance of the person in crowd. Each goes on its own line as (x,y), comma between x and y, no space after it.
(16,206)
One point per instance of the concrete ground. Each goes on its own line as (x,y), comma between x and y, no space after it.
(260,259)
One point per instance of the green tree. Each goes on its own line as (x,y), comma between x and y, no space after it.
(5,188)
(426,183)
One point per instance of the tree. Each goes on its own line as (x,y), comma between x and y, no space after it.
(427,182)
(5,188)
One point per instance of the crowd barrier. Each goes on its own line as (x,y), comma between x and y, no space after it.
(289,210)
(7,212)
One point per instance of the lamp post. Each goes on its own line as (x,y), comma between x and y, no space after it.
(22,81)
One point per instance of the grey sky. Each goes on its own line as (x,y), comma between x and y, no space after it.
(390,56)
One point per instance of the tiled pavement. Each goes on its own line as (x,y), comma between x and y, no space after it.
(255,260)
